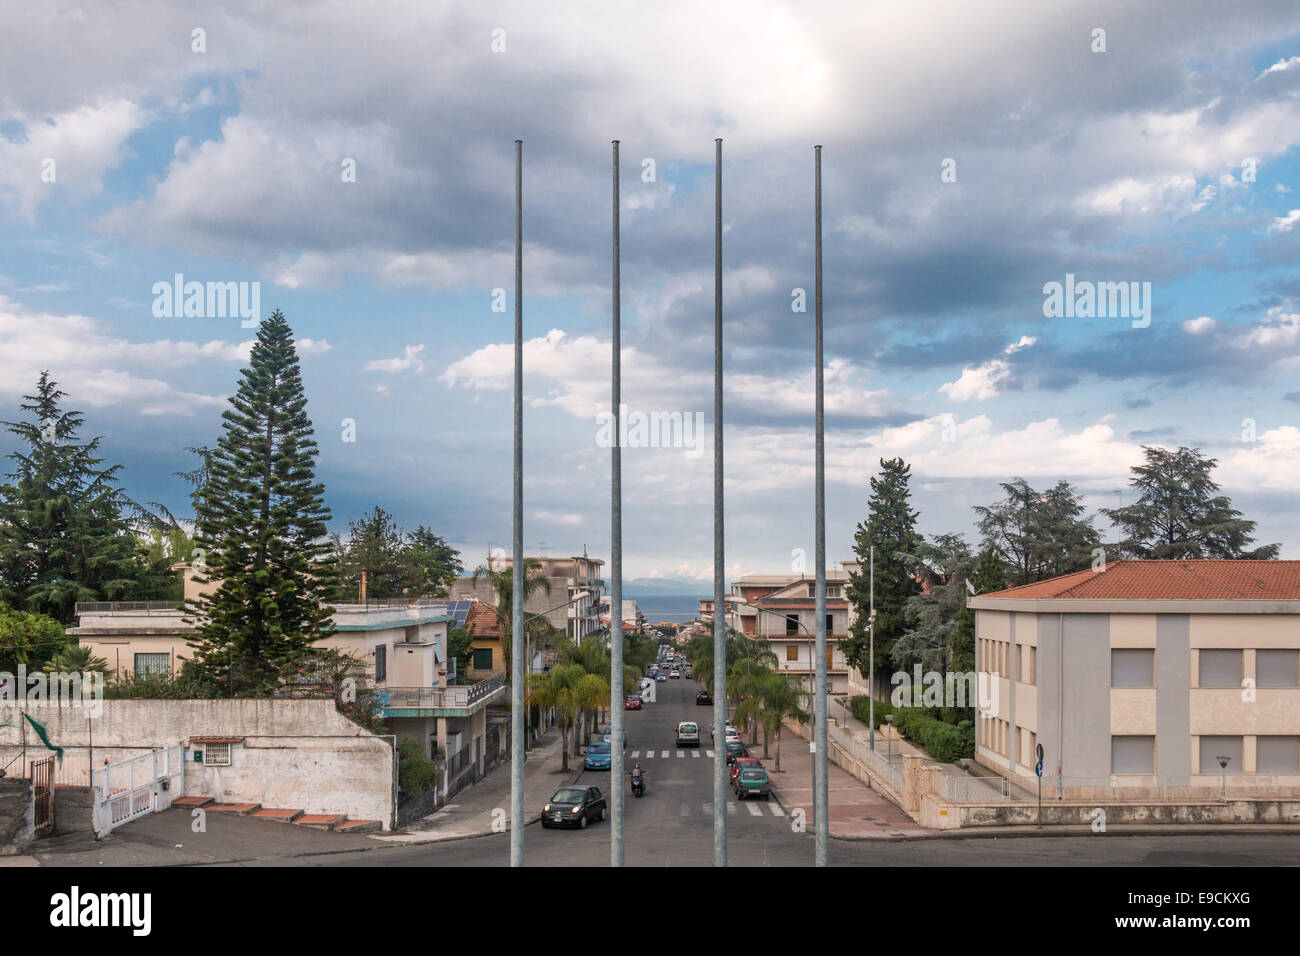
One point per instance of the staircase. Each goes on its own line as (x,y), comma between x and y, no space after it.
(334,822)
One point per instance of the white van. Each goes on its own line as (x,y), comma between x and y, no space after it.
(688,734)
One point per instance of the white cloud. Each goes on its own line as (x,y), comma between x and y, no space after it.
(978,382)
(410,358)
(1200,325)
(1285,223)
(1270,463)
(557,517)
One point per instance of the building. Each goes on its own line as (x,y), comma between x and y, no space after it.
(402,646)
(781,609)
(574,580)
(487,655)
(1139,678)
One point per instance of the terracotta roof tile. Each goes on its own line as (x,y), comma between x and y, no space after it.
(482,621)
(1190,580)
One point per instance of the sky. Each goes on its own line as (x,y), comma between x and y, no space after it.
(355,166)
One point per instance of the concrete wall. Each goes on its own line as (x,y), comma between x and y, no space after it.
(299,754)
(74,809)
(17,816)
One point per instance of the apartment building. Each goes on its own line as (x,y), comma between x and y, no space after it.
(1145,678)
(576,580)
(781,609)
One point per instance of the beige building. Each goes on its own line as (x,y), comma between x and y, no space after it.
(402,646)
(1138,678)
(781,609)
(575,580)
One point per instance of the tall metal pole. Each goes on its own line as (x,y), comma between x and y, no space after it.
(518,668)
(719,566)
(616,569)
(871,658)
(821,798)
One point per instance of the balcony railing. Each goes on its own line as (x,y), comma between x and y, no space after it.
(99,607)
(433,698)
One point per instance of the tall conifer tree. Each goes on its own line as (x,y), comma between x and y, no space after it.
(261,525)
(63,535)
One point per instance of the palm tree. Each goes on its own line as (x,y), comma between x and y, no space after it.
(589,692)
(781,699)
(502,582)
(555,691)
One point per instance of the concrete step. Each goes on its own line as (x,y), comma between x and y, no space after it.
(191,801)
(239,809)
(359,826)
(278,815)
(320,821)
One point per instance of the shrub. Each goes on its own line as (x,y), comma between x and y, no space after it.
(416,773)
(942,741)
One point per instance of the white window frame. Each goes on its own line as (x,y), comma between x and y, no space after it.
(210,752)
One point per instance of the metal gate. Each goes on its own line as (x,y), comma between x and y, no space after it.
(129,789)
(41,773)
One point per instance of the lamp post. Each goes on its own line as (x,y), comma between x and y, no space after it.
(889,719)
(1223,773)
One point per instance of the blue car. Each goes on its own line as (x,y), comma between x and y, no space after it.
(598,756)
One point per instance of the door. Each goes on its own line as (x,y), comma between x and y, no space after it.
(42,777)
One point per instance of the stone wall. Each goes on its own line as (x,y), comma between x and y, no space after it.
(17,815)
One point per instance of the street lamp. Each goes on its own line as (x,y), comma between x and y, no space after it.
(889,719)
(1223,767)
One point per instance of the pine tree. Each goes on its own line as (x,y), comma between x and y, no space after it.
(433,564)
(891,528)
(376,546)
(63,535)
(1178,514)
(1039,534)
(261,525)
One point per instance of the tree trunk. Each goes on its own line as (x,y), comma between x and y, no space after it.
(778,746)
(564,750)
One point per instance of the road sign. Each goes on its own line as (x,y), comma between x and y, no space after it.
(1038,768)
(1040,753)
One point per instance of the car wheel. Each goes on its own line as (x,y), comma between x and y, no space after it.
(582,824)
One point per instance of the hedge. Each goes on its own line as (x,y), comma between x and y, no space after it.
(943,742)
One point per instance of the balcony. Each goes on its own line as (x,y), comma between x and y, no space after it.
(453,701)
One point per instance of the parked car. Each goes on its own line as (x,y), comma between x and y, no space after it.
(607,732)
(633,702)
(675,674)
(703,697)
(753,782)
(661,676)
(729,730)
(574,807)
(739,764)
(736,749)
(688,734)
(598,756)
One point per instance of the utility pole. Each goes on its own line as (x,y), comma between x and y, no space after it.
(821,772)
(517,610)
(616,568)
(719,563)
(871,656)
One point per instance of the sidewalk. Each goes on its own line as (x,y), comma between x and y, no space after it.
(485,808)
(856,811)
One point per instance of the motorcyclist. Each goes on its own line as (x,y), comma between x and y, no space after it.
(638,776)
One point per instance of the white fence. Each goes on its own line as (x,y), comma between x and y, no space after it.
(972,789)
(131,788)
(881,763)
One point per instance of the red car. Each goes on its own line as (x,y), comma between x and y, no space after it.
(633,702)
(740,764)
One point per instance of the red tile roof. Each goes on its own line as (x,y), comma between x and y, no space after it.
(1192,580)
(482,621)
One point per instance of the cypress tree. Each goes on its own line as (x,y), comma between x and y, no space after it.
(891,528)
(63,535)
(261,520)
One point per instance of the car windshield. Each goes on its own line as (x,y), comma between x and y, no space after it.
(753,775)
(569,795)
(687,728)
(598,749)
(735,746)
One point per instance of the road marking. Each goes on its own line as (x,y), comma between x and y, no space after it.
(708,809)
(731,808)
(681,753)
(635,754)
(684,810)
(753,810)
(665,755)
(709,754)
(695,753)
(776,809)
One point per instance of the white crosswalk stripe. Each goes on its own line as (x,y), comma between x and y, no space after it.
(709,754)
(776,809)
(684,810)
(708,809)
(635,754)
(665,754)
(731,808)
(681,753)
(695,753)
(753,810)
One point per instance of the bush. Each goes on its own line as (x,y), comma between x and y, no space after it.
(416,773)
(942,741)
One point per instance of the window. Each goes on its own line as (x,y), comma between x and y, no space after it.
(153,663)
(483,659)
(1132,667)
(830,624)
(1277,754)
(792,625)
(1212,748)
(1220,668)
(1135,754)
(1277,669)
(792,652)
(216,755)
(381,663)
(833,591)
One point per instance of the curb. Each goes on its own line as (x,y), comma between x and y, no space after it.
(1168,830)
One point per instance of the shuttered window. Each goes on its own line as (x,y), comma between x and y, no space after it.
(1277,668)
(1220,668)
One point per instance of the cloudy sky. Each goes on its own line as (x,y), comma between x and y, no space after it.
(357,162)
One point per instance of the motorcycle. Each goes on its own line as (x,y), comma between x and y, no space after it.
(638,786)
